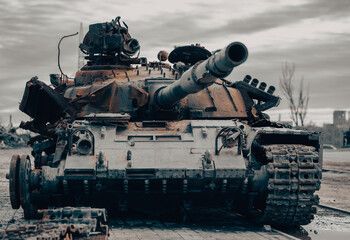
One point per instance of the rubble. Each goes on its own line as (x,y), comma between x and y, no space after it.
(62,223)
(11,138)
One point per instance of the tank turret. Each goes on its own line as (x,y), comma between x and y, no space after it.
(204,74)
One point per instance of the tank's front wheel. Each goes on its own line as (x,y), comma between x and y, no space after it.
(14,182)
(24,172)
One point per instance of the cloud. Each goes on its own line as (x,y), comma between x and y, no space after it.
(288,15)
(312,33)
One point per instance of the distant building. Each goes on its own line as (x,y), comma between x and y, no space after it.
(339,118)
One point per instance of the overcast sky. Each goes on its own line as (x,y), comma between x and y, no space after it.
(314,34)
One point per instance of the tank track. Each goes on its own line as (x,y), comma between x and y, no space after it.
(294,175)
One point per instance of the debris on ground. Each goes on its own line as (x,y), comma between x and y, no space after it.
(10,137)
(62,223)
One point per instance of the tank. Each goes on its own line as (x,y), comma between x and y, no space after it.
(128,134)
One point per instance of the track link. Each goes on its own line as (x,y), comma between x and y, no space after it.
(294,175)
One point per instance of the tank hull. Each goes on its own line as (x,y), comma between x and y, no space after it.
(174,166)
(169,165)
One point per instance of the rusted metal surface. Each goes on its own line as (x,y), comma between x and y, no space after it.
(162,56)
(218,101)
(153,137)
(62,223)
(24,171)
(14,182)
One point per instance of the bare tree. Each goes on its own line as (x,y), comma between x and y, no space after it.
(297,105)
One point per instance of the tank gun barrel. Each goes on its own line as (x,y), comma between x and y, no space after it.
(203,74)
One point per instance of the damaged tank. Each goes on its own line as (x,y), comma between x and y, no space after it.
(158,136)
